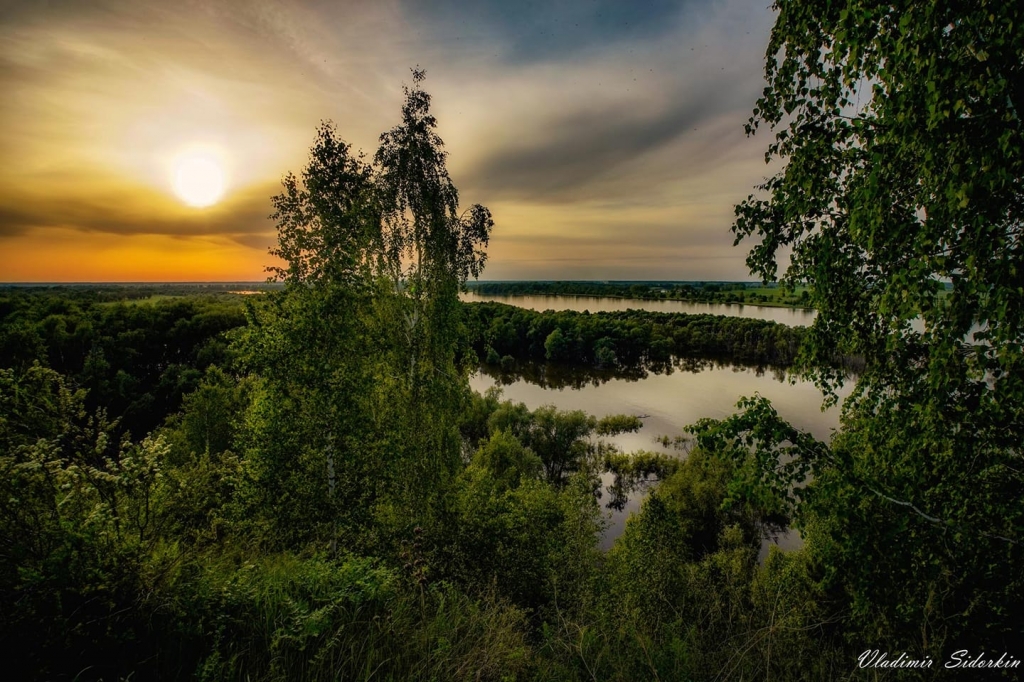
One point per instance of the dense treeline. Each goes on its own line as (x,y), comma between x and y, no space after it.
(135,359)
(108,292)
(631,339)
(699,292)
(137,353)
(556,375)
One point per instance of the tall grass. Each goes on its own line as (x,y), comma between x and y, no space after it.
(286,618)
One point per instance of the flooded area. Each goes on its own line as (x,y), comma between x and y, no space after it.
(668,402)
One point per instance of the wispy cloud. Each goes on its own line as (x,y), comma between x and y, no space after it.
(606,136)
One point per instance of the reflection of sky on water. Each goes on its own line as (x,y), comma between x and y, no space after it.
(670,402)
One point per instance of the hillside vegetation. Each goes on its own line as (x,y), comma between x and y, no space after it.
(301,485)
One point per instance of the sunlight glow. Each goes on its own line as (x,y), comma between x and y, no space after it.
(198,179)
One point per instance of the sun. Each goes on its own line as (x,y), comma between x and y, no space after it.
(198,179)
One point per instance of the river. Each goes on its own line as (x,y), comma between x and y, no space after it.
(794,317)
(668,402)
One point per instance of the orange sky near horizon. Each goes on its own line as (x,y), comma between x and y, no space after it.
(58,257)
(604,152)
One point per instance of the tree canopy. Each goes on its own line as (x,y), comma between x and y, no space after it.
(901,131)
(899,205)
(362,355)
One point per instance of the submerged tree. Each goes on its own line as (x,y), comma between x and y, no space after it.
(902,202)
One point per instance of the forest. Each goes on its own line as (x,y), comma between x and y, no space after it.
(301,485)
(138,350)
(752,293)
(501,334)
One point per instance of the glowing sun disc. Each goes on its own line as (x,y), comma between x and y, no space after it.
(198,180)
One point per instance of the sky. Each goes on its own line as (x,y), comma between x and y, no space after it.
(606,136)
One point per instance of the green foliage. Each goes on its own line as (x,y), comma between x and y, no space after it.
(556,346)
(308,416)
(420,204)
(474,426)
(604,353)
(684,597)
(636,471)
(98,578)
(900,200)
(361,358)
(563,443)
(614,424)
(902,136)
(286,618)
(507,531)
(628,340)
(328,223)
(505,458)
(560,440)
(502,535)
(772,459)
(136,360)
(208,422)
(492,356)
(81,519)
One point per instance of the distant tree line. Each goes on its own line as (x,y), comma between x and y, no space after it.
(137,353)
(699,292)
(559,376)
(627,339)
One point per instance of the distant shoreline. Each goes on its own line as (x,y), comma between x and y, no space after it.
(757,304)
(769,295)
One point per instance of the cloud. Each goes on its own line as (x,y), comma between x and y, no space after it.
(243,219)
(584,147)
(13,223)
(545,30)
(592,128)
(627,125)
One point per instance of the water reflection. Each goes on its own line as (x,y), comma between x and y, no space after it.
(669,397)
(795,317)
(558,376)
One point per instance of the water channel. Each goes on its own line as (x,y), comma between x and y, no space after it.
(668,401)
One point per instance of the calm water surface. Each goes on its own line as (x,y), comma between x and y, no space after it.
(791,316)
(669,402)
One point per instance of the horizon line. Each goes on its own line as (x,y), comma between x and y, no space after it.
(265,282)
